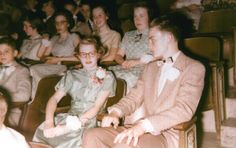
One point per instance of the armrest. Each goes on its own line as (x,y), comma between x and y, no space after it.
(18,104)
(69,64)
(185,125)
(108,63)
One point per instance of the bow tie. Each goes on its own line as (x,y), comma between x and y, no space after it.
(167,60)
(137,37)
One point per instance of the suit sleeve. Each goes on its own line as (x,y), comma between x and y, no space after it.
(23,86)
(186,100)
(128,104)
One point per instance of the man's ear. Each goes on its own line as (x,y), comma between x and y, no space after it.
(15,53)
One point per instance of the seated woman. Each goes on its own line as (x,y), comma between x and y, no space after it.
(60,48)
(134,45)
(109,38)
(8,136)
(32,26)
(89,88)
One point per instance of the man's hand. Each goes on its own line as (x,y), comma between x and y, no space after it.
(111,119)
(132,134)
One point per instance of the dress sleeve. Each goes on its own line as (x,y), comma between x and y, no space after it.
(65,83)
(109,84)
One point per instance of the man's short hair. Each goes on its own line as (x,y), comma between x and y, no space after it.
(177,23)
(8,41)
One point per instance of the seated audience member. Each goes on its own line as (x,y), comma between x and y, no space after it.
(89,88)
(192,8)
(133,46)
(109,38)
(60,48)
(49,9)
(14,77)
(32,25)
(170,90)
(84,24)
(9,138)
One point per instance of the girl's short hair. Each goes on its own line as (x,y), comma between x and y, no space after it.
(8,41)
(93,40)
(35,22)
(69,17)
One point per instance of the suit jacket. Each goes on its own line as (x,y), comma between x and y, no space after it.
(176,103)
(18,83)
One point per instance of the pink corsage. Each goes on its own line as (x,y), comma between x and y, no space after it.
(99,75)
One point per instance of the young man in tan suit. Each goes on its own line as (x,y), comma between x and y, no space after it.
(170,91)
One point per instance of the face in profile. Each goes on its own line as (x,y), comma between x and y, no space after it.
(158,42)
(27,27)
(141,18)
(99,17)
(61,24)
(88,56)
(7,54)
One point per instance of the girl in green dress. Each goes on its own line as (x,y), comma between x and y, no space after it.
(89,88)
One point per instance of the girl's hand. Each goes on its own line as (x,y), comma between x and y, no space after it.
(52,60)
(130,63)
(47,131)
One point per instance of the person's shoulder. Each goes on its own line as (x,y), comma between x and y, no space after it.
(115,33)
(20,67)
(190,62)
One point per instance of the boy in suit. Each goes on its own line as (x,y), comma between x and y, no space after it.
(169,89)
(14,77)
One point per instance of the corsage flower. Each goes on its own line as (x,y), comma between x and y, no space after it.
(172,74)
(99,75)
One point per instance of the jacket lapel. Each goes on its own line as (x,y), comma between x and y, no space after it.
(169,85)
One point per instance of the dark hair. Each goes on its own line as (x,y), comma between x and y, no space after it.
(178,23)
(8,41)
(5,24)
(35,22)
(145,6)
(104,9)
(68,16)
(93,40)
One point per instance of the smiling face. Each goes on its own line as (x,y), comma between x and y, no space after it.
(88,56)
(141,20)
(99,17)
(61,24)
(158,42)
(7,54)
(29,30)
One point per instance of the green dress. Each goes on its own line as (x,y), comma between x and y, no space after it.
(84,92)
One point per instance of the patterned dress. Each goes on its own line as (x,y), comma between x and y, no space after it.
(135,45)
(59,49)
(84,92)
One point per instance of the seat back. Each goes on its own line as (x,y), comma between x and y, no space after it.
(208,49)
(120,92)
(34,114)
(217,21)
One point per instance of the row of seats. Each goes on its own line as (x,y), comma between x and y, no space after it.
(207,48)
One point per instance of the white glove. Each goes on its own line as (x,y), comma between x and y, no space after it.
(46,42)
(73,122)
(146,58)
